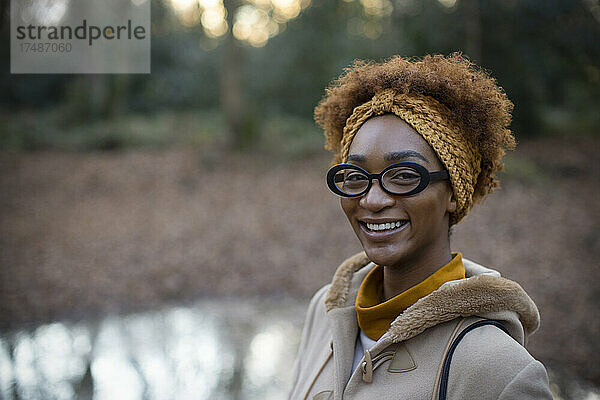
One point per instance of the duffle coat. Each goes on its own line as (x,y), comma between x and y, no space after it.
(405,363)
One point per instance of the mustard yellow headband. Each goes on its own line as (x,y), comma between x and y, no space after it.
(432,121)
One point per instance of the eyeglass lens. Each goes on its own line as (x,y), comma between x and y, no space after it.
(398,180)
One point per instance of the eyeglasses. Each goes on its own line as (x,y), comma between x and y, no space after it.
(401,179)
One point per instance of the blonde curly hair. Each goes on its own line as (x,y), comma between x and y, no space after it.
(473,100)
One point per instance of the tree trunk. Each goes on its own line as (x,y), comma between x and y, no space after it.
(231,90)
(473,29)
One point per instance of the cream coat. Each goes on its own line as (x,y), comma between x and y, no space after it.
(405,362)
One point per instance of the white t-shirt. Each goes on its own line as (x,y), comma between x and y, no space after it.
(363,342)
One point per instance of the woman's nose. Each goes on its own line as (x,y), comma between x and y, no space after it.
(376,199)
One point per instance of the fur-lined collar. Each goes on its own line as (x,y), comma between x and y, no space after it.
(482,292)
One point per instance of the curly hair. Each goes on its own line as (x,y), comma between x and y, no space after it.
(476,103)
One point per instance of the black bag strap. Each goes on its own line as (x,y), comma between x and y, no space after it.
(446,366)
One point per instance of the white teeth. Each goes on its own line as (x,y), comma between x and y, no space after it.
(389,225)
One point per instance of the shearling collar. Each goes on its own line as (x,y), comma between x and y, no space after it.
(482,292)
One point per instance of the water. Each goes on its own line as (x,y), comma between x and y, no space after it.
(213,350)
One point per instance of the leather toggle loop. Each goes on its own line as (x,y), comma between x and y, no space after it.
(383,101)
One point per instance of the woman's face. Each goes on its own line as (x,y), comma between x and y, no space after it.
(423,217)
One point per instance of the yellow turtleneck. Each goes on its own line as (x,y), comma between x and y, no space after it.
(375,316)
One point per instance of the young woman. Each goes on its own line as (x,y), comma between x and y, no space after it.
(416,143)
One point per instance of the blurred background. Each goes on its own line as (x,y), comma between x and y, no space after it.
(161,234)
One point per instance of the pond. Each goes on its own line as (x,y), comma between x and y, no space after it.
(222,349)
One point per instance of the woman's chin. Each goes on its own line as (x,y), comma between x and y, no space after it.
(384,256)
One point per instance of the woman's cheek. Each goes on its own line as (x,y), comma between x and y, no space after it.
(349,208)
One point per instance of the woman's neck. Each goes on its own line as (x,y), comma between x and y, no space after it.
(400,278)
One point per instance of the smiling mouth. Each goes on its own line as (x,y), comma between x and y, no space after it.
(388,226)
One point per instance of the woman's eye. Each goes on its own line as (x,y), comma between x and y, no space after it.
(405,176)
(355,177)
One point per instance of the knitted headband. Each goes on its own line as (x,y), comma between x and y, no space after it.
(433,122)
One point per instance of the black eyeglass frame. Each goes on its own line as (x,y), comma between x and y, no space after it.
(426,178)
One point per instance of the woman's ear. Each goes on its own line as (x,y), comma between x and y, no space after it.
(451,203)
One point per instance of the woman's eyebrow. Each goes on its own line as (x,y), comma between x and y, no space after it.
(400,155)
(356,158)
